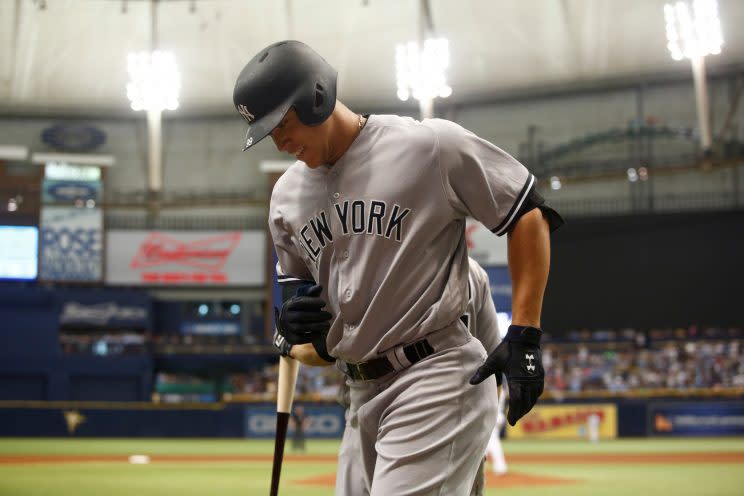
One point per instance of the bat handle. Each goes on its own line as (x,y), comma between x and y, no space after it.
(288,369)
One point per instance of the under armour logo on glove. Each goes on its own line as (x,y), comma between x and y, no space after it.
(524,376)
(530,365)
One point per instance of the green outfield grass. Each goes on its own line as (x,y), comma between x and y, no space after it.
(251,476)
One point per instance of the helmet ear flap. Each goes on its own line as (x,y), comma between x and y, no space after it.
(314,106)
(319,96)
(323,97)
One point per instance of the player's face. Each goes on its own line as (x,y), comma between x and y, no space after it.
(306,143)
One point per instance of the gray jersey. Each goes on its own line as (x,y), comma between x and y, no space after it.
(481,311)
(382,230)
(479,317)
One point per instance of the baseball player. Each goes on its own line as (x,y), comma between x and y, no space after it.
(299,420)
(482,322)
(373,215)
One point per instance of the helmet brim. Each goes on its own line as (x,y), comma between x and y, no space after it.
(262,127)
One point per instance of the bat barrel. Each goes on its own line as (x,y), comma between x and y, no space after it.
(282,420)
(288,369)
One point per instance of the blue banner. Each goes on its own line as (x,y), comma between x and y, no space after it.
(501,289)
(211,327)
(696,419)
(323,421)
(104,308)
(68,192)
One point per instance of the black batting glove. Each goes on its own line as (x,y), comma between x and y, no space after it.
(282,345)
(302,318)
(519,357)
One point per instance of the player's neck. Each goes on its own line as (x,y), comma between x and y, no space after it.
(346,127)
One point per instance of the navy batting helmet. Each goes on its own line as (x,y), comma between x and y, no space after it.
(281,76)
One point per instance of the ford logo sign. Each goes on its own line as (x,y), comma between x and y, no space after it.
(73,137)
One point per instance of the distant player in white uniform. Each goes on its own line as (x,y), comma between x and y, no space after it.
(373,215)
(482,322)
(494,450)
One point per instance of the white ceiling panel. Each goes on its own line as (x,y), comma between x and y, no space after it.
(71,55)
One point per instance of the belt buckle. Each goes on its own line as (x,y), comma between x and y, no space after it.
(355,371)
(362,375)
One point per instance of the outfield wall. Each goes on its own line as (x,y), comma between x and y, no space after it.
(568,420)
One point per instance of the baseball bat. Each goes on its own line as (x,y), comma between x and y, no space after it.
(288,369)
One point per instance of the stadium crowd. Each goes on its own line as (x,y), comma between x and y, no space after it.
(674,365)
(678,366)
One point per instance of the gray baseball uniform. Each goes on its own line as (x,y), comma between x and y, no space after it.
(483,324)
(382,231)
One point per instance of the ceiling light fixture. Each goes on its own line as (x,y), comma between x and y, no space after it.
(155,82)
(693,31)
(421,72)
(420,65)
(154,86)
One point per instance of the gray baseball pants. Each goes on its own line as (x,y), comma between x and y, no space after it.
(423,430)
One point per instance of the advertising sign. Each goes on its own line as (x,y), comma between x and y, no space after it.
(696,419)
(67,172)
(322,421)
(211,327)
(70,244)
(103,308)
(54,191)
(18,252)
(566,422)
(186,258)
(102,314)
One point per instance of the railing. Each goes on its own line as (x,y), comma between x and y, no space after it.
(270,396)
(184,199)
(594,207)
(731,392)
(579,207)
(214,349)
(234,222)
(588,168)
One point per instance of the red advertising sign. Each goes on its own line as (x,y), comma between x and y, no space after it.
(185,258)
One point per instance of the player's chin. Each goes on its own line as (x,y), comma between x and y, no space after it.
(311,160)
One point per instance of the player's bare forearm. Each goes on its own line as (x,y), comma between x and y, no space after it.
(305,353)
(529,264)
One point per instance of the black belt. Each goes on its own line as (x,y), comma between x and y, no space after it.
(378,367)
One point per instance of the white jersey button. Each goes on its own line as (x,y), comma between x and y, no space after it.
(347,293)
(346,254)
(336,195)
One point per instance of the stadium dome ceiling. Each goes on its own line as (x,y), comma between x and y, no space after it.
(70,55)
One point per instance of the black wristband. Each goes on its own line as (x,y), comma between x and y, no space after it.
(523,334)
(321,348)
